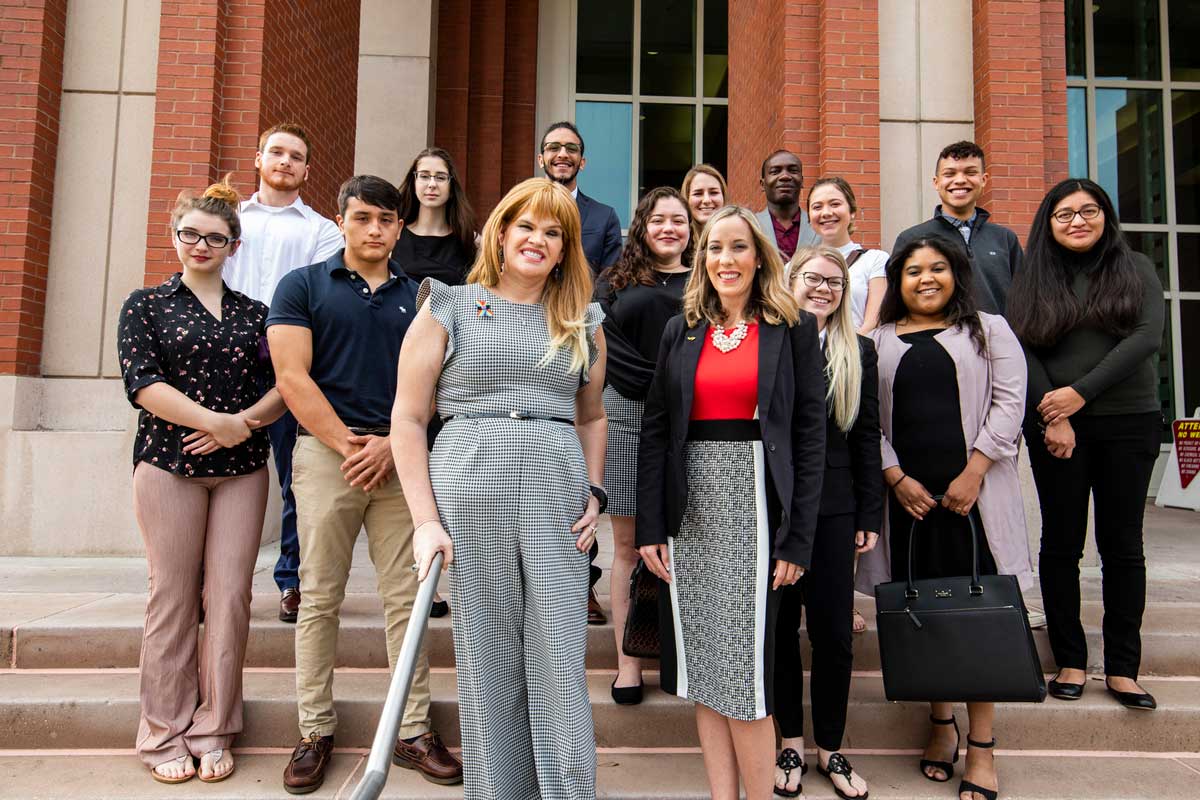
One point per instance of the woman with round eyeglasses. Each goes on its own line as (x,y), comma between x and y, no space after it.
(438,239)
(848,523)
(705,191)
(194,361)
(1089,312)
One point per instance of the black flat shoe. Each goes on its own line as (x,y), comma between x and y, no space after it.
(967,786)
(945,766)
(838,765)
(626,695)
(1063,690)
(1141,701)
(788,761)
(440,608)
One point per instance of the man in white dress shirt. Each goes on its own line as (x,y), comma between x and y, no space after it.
(279,234)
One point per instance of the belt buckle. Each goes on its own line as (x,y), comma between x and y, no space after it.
(518,415)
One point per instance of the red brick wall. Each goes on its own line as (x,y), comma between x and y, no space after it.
(756,93)
(486,93)
(1054,92)
(1009,119)
(31,64)
(227,69)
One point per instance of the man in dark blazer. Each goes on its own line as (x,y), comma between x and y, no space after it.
(561,158)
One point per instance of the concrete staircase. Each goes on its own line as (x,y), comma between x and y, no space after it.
(70,635)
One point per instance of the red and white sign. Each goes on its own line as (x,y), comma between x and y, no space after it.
(1187,449)
(1179,487)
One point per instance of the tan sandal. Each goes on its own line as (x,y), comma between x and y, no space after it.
(210,760)
(857,623)
(181,761)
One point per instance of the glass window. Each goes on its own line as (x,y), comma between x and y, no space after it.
(1166,374)
(1185,131)
(1154,247)
(607,130)
(604,52)
(1129,152)
(1076,39)
(1077,143)
(1188,249)
(669,48)
(667,148)
(716,49)
(1126,39)
(715,127)
(1184,19)
(1189,326)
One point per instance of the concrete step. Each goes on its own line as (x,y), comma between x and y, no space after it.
(100,632)
(90,709)
(619,776)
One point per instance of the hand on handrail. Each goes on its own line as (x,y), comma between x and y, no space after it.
(429,539)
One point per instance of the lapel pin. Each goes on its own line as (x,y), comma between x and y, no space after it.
(691,338)
(482,309)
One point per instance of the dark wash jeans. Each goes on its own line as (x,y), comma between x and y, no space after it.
(1113,458)
(282,433)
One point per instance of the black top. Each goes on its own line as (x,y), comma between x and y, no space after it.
(791,406)
(853,462)
(1114,375)
(166,334)
(634,318)
(356,334)
(440,257)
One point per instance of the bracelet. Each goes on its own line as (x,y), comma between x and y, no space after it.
(898,481)
(426,522)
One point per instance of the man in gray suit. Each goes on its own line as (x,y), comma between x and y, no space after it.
(783,220)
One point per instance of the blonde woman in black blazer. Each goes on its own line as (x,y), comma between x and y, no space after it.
(730,466)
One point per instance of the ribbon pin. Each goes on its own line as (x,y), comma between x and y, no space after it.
(482,309)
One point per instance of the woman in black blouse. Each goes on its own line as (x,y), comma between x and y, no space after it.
(194,360)
(438,239)
(638,294)
(1089,313)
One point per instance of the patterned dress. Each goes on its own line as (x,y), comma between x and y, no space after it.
(508,492)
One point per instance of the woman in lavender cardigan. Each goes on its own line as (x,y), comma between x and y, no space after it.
(951,403)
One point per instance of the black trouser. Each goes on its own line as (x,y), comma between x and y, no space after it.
(827,593)
(1113,458)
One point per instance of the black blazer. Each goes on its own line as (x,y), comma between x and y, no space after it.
(791,407)
(600,232)
(853,463)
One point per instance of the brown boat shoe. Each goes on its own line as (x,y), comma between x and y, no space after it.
(305,771)
(427,755)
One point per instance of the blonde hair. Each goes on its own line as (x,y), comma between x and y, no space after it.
(843,361)
(686,188)
(568,290)
(769,300)
(220,199)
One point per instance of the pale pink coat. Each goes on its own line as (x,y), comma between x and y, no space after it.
(991,392)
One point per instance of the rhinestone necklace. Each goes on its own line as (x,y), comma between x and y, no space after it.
(729,341)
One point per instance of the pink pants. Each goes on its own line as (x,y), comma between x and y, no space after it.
(191,687)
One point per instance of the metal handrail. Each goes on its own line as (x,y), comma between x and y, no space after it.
(380,760)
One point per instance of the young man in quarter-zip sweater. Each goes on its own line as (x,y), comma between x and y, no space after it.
(994,250)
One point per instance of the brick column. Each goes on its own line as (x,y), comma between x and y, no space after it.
(848,58)
(31,67)
(1054,92)
(1009,118)
(756,93)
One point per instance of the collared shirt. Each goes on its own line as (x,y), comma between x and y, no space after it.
(787,239)
(356,334)
(275,241)
(964,226)
(166,334)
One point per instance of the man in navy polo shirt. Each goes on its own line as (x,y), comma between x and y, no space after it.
(335,330)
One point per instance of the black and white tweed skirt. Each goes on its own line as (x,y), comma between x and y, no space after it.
(621,457)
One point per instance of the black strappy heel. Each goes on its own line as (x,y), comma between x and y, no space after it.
(788,761)
(838,765)
(966,785)
(945,766)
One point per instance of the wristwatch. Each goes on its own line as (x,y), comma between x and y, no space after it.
(601,495)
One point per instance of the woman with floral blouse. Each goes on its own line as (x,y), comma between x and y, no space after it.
(194,361)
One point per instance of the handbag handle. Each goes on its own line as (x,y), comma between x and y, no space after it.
(976,587)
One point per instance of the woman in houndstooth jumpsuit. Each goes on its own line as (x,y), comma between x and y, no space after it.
(508,479)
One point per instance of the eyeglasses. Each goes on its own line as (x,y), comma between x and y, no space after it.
(1066,215)
(435,177)
(214,240)
(814,280)
(554,147)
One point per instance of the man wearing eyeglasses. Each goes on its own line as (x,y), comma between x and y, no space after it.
(279,234)
(561,158)
(959,176)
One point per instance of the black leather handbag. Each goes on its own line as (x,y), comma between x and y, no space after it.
(964,639)
(640,639)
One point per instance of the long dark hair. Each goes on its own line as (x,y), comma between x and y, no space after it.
(960,311)
(459,215)
(1042,305)
(636,264)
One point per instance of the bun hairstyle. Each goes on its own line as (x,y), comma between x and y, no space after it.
(843,186)
(220,199)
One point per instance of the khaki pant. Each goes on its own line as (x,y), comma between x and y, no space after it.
(330,512)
